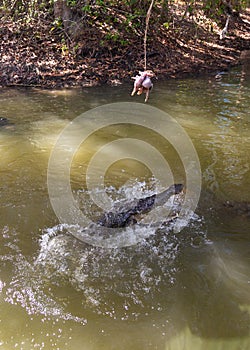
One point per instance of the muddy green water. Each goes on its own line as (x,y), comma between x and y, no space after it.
(171,291)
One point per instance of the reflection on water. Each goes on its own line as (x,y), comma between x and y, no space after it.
(187,290)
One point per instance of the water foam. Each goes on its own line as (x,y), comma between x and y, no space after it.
(118,282)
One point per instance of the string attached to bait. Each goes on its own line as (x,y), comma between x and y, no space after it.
(143,81)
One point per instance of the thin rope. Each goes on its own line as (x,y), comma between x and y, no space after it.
(146,33)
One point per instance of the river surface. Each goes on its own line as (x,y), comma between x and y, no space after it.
(169,289)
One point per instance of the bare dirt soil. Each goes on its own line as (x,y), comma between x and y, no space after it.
(33,55)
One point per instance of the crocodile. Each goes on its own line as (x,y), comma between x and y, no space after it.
(4,121)
(144,205)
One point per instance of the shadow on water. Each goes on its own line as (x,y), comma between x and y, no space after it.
(186,290)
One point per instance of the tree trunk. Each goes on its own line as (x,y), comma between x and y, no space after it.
(62,10)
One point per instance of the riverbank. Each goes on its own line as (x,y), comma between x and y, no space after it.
(32,54)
